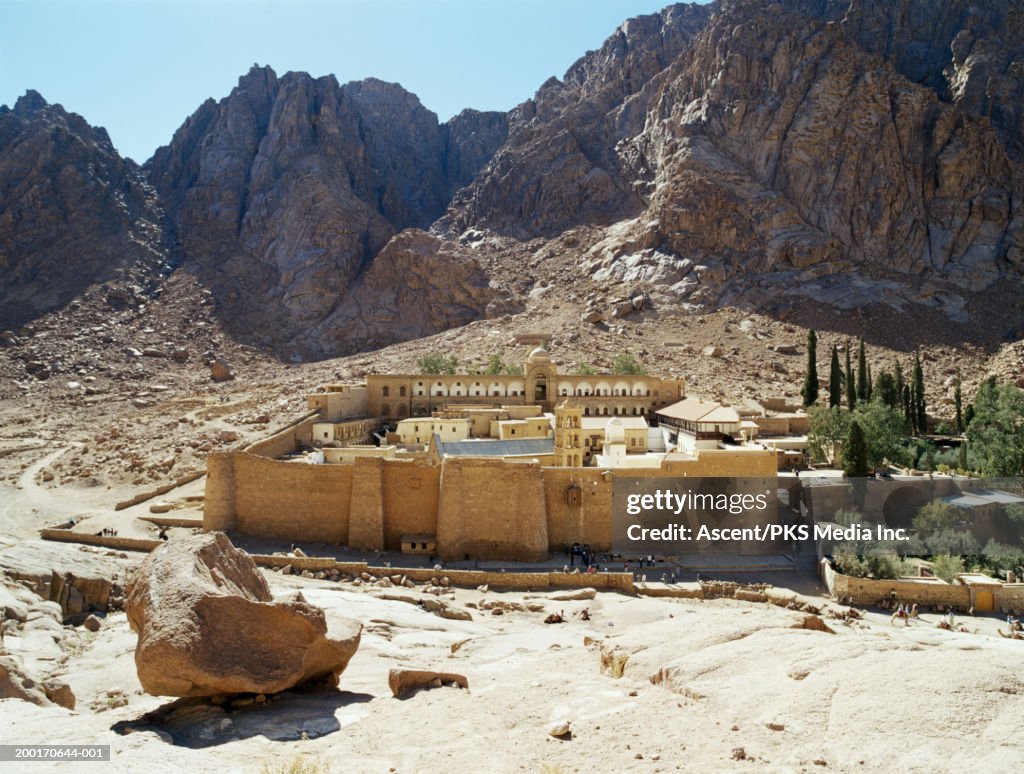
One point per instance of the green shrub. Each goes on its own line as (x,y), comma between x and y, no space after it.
(947,567)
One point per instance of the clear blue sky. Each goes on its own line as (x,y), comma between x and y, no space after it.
(140,67)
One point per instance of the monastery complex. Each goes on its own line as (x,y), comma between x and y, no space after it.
(468,466)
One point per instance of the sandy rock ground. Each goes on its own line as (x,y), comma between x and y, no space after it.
(707,686)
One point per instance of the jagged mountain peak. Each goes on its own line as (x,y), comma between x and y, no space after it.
(31,102)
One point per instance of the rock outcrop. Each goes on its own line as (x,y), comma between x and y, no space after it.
(284,192)
(207,625)
(404,682)
(15,683)
(748,149)
(72,211)
(78,579)
(418,285)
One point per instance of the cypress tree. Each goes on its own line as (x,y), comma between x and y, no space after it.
(962,456)
(908,406)
(835,380)
(810,390)
(919,415)
(900,381)
(851,389)
(968,415)
(958,401)
(863,388)
(855,452)
(871,381)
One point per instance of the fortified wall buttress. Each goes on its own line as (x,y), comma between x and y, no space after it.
(489,509)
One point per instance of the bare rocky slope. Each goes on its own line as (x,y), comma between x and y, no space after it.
(72,212)
(798,159)
(285,191)
(767,153)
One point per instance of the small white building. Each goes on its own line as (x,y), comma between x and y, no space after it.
(419,430)
(694,424)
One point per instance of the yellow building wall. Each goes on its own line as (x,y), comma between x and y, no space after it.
(291,500)
(339,401)
(284,441)
(487,508)
(410,500)
(490,509)
(589,521)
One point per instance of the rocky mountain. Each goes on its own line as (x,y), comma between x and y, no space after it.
(970,54)
(771,150)
(771,156)
(283,192)
(72,212)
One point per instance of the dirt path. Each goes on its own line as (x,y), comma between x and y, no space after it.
(24,508)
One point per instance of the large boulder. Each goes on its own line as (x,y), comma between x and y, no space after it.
(207,625)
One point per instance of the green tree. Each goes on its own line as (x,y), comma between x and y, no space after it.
(863,385)
(835,380)
(996,431)
(947,567)
(919,414)
(848,562)
(908,408)
(810,389)
(827,430)
(936,516)
(954,541)
(961,460)
(900,381)
(885,390)
(847,518)
(855,452)
(884,433)
(626,364)
(1001,557)
(586,370)
(851,387)
(884,565)
(436,363)
(495,365)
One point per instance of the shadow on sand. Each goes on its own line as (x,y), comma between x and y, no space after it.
(287,716)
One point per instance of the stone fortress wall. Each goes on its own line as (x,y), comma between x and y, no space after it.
(483,508)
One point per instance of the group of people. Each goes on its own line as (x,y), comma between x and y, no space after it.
(591,568)
(904,613)
(583,552)
(1016,628)
(107,532)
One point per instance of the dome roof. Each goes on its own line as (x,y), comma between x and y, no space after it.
(539,354)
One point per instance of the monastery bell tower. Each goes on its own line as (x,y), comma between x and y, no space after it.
(541,381)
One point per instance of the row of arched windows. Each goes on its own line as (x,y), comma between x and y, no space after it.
(615,411)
